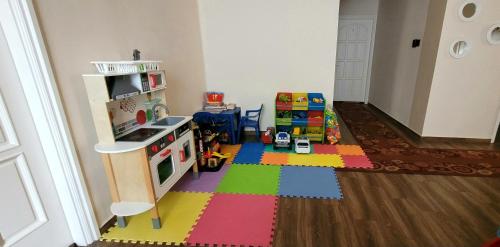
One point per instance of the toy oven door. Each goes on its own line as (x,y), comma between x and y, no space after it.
(163,170)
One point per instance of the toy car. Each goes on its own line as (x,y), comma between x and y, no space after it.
(302,145)
(282,140)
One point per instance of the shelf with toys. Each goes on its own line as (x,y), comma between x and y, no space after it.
(301,114)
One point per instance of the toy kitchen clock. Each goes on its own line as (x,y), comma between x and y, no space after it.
(144,150)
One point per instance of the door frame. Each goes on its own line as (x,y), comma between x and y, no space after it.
(26,45)
(373,20)
(496,129)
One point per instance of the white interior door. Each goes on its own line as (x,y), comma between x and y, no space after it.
(30,210)
(353,59)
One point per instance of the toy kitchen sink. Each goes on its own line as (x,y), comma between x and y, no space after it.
(168,121)
(142,158)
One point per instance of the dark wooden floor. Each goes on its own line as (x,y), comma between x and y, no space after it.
(392,210)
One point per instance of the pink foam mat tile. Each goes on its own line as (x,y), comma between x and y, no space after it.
(357,161)
(325,149)
(231,219)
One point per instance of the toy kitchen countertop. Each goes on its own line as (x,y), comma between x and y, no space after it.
(122,146)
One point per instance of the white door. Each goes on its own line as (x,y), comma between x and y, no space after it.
(30,211)
(353,59)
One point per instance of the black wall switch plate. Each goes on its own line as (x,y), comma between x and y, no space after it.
(415,43)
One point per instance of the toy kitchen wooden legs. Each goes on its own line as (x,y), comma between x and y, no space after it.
(155,216)
(196,174)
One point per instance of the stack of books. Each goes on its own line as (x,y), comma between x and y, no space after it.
(214,108)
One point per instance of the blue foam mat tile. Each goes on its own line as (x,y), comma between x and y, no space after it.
(309,182)
(250,153)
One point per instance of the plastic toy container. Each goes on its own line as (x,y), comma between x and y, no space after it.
(284,128)
(299,118)
(298,131)
(316,101)
(299,101)
(315,118)
(284,101)
(214,98)
(283,117)
(315,133)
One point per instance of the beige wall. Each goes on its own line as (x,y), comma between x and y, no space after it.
(358,7)
(255,48)
(430,47)
(395,62)
(77,32)
(464,98)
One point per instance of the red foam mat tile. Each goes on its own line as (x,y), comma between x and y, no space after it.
(236,220)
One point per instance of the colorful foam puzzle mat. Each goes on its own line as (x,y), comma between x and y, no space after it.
(179,211)
(309,182)
(237,205)
(230,220)
(249,153)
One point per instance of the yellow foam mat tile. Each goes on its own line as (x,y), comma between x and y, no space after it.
(323,160)
(179,211)
(232,149)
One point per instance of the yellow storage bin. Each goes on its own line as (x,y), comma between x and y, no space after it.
(299,101)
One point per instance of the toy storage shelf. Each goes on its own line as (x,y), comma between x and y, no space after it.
(301,114)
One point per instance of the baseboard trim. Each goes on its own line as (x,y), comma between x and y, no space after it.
(110,223)
(415,136)
(455,139)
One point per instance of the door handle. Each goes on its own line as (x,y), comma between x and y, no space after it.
(166,153)
(182,154)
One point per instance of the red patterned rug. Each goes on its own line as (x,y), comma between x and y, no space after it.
(390,153)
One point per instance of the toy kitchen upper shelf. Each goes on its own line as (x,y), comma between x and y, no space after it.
(123,67)
(126,84)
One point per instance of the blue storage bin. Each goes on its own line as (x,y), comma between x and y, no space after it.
(316,106)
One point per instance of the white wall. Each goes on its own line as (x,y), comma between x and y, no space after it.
(395,62)
(358,7)
(77,32)
(254,49)
(430,47)
(464,98)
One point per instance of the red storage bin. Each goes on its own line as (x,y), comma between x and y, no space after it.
(315,118)
(284,101)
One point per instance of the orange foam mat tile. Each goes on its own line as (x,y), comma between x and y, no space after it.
(274,158)
(350,150)
(232,149)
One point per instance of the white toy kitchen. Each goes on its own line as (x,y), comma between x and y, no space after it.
(145,151)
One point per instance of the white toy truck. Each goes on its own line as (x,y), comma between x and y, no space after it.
(302,145)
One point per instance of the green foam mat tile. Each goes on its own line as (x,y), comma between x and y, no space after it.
(250,179)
